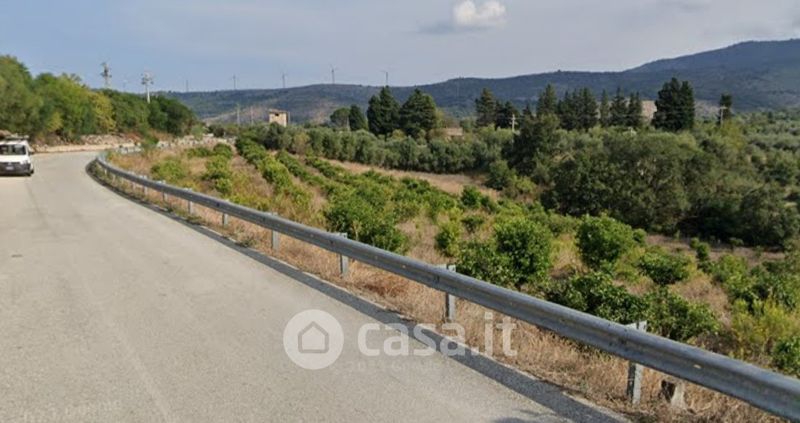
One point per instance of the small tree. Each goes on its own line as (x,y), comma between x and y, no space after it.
(418,114)
(725,108)
(602,241)
(635,111)
(605,110)
(619,110)
(340,118)
(663,268)
(486,108)
(528,246)
(786,356)
(383,113)
(357,119)
(675,107)
(506,115)
(548,102)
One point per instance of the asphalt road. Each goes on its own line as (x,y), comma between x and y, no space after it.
(110,311)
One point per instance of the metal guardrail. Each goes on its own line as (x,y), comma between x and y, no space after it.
(770,391)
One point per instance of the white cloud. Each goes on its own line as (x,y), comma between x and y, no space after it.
(469,15)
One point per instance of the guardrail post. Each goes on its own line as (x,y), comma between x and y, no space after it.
(190,207)
(673,390)
(449,299)
(635,371)
(344,261)
(224,219)
(275,239)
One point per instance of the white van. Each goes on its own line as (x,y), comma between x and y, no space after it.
(15,158)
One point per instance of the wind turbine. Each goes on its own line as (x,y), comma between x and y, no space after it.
(147,81)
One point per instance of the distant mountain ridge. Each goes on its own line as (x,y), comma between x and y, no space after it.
(759,75)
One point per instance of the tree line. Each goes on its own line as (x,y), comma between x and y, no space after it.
(577,155)
(62,106)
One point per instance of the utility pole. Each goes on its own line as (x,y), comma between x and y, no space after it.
(147,80)
(283,77)
(386,73)
(513,122)
(238,106)
(333,75)
(106,75)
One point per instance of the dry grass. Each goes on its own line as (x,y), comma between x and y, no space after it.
(449,183)
(753,256)
(582,371)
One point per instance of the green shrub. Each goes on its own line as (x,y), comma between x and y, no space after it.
(363,222)
(702,250)
(640,237)
(595,293)
(664,268)
(448,238)
(500,175)
(779,282)
(602,241)
(473,222)
(481,260)
(171,170)
(218,171)
(733,274)
(757,328)
(786,356)
(223,150)
(471,197)
(671,316)
(198,152)
(216,168)
(528,245)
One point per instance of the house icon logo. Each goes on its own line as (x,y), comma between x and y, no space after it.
(313,339)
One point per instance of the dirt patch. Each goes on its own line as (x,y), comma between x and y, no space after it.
(450,183)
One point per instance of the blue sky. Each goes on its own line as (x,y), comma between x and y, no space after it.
(417,41)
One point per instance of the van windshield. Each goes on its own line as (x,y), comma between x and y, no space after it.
(12,150)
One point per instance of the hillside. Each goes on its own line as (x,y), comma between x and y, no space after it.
(760,75)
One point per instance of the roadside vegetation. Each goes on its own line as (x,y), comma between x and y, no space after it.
(579,209)
(61,107)
(594,264)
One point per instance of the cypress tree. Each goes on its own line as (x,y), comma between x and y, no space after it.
(383,113)
(486,108)
(548,102)
(605,110)
(587,109)
(675,106)
(725,108)
(635,111)
(418,114)
(619,110)
(357,119)
(506,114)
(569,111)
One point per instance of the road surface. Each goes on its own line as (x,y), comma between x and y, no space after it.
(110,311)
